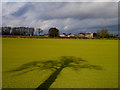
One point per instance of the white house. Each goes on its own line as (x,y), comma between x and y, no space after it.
(81,35)
(70,35)
(89,35)
(85,35)
(62,35)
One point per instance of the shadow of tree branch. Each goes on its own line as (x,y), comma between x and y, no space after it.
(56,66)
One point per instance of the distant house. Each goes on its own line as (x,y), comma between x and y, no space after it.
(62,35)
(85,35)
(89,35)
(81,35)
(70,35)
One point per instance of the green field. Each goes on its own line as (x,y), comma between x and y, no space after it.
(19,51)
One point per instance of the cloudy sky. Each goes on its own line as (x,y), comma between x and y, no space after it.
(68,17)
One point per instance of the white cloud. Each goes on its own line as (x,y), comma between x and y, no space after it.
(96,10)
(65,16)
(11,7)
(59,1)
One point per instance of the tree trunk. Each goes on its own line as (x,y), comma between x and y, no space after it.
(47,83)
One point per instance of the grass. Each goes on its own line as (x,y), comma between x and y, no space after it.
(19,51)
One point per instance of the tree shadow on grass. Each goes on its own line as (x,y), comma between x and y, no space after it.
(56,66)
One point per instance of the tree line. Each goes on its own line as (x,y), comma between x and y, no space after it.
(52,32)
(25,31)
(104,33)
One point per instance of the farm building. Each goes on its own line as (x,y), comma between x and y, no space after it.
(62,35)
(70,35)
(85,35)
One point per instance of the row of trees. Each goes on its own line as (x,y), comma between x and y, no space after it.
(53,32)
(104,33)
(26,31)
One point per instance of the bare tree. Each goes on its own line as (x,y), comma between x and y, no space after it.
(104,33)
(39,30)
(6,30)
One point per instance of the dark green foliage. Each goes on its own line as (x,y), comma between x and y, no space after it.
(102,33)
(53,32)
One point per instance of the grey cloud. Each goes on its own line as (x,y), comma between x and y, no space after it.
(67,16)
(22,10)
(59,1)
(80,10)
(72,10)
